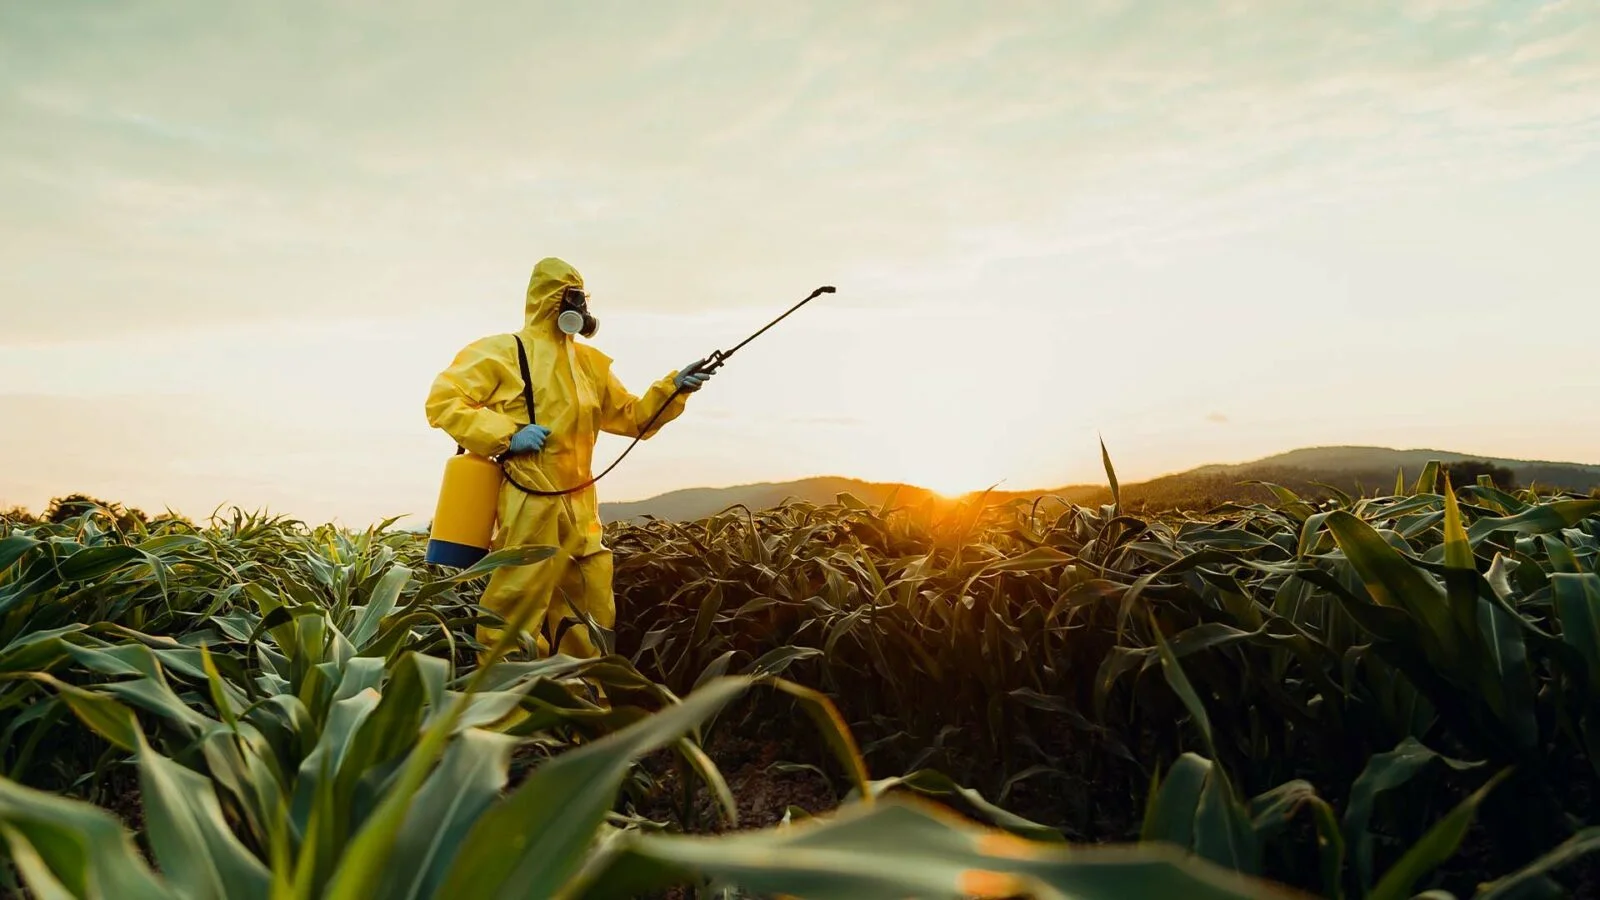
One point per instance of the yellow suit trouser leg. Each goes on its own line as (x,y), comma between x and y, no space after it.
(585,585)
(523,521)
(546,592)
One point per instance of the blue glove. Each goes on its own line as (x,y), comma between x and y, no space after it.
(531,437)
(690,381)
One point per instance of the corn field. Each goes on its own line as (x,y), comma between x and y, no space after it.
(1383,697)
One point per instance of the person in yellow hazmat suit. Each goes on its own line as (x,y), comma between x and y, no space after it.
(479,401)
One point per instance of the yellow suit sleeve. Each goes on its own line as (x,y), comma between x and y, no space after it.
(456,401)
(623,413)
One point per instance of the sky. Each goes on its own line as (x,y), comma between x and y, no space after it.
(239,240)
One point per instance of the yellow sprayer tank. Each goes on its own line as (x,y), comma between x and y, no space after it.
(463,522)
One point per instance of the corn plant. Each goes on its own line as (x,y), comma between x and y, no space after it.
(551,837)
(1338,694)
(1322,634)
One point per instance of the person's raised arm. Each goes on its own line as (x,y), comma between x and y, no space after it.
(624,414)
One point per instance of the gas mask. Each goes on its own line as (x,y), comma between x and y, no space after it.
(574,317)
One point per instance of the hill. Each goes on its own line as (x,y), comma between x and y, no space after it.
(1564,475)
(1351,469)
(696,503)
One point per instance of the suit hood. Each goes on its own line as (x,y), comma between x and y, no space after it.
(551,276)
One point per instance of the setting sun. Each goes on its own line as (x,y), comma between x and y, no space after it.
(949,478)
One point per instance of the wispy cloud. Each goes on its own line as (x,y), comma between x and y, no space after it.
(1012,200)
(840,421)
(907,139)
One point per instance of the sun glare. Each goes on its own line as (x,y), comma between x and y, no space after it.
(951,477)
(953,464)
(950,490)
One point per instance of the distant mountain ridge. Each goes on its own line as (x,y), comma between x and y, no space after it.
(1346,467)
(1359,457)
(697,503)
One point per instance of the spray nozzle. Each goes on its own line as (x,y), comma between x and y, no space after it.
(715,360)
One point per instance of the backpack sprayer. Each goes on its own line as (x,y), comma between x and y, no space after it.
(464,520)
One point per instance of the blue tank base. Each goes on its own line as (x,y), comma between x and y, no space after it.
(449,553)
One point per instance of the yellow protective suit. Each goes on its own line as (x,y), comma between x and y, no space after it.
(478,401)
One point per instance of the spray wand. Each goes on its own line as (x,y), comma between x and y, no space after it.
(717,358)
(707,365)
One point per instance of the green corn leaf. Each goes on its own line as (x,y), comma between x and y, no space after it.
(157,696)
(1223,831)
(905,848)
(1111,476)
(1428,480)
(1311,534)
(708,772)
(1437,845)
(530,845)
(85,850)
(364,673)
(1034,560)
(194,844)
(394,724)
(221,697)
(1457,548)
(1521,883)
(1288,501)
(1384,772)
(1180,685)
(97,562)
(1222,826)
(835,733)
(1577,604)
(1272,812)
(35,872)
(716,668)
(102,714)
(314,781)
(1490,631)
(1207,636)
(245,771)
(1394,582)
(1561,556)
(14,547)
(1509,679)
(1491,497)
(37,651)
(933,784)
(1546,518)
(382,602)
(468,780)
(1174,804)
(774,662)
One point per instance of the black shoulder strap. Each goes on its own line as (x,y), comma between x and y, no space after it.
(527,380)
